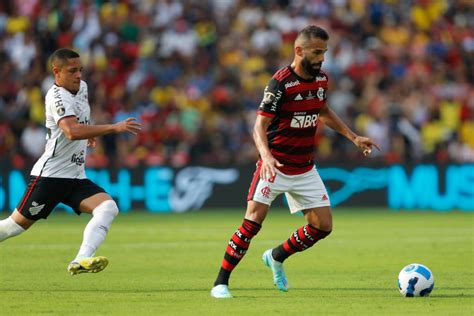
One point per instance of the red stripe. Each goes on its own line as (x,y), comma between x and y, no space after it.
(306,105)
(265,114)
(231,252)
(253,185)
(282,73)
(245,232)
(251,227)
(288,248)
(240,242)
(303,238)
(28,194)
(295,243)
(294,141)
(227,266)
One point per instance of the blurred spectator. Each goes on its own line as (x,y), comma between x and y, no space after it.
(193,71)
(33,140)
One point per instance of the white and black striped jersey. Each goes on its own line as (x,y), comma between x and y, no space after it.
(63,158)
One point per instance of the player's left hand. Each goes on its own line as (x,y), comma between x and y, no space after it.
(91,142)
(365,144)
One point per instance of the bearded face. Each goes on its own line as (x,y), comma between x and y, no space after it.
(311,69)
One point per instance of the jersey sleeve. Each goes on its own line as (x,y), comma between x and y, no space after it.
(60,104)
(272,98)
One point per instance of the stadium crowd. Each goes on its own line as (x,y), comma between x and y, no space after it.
(194,72)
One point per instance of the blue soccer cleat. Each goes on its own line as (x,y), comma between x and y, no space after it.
(221,291)
(279,276)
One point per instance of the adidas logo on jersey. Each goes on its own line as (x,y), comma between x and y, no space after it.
(298,97)
(291,84)
(304,121)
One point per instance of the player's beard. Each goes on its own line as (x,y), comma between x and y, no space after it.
(309,68)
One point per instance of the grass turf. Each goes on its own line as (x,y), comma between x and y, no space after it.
(166,264)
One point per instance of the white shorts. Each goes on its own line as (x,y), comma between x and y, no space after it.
(303,191)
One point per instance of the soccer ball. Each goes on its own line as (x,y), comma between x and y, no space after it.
(415,280)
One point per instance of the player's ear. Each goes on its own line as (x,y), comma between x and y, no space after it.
(299,51)
(56,70)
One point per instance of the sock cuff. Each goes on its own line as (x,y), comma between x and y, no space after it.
(318,233)
(14,226)
(106,207)
(251,226)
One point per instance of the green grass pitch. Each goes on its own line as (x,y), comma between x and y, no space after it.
(166,264)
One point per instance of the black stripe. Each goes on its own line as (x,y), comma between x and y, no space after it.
(293,132)
(292,150)
(272,130)
(230,259)
(296,165)
(292,246)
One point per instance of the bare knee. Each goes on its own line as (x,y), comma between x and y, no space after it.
(256,211)
(320,218)
(21,220)
(108,207)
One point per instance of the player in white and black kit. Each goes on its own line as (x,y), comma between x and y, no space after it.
(59,174)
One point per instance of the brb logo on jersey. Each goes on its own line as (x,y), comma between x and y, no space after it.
(301,120)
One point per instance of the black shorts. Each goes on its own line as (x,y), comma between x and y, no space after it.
(43,194)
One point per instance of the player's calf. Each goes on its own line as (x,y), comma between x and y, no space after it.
(303,238)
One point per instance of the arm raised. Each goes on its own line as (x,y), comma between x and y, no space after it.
(331,119)
(75,131)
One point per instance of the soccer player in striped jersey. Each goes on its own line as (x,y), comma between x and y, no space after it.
(59,174)
(293,104)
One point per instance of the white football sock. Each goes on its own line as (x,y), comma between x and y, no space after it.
(9,228)
(97,228)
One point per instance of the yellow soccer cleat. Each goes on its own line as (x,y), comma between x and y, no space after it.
(88,265)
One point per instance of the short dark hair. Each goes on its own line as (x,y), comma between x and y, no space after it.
(312,31)
(61,55)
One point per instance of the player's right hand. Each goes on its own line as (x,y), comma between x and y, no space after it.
(269,166)
(129,125)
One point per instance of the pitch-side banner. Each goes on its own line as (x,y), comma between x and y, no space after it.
(165,189)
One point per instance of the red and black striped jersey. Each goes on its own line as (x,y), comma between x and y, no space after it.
(294,104)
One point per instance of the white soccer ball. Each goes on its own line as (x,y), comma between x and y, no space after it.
(415,280)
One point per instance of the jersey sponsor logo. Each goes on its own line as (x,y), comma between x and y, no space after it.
(320,78)
(320,93)
(291,84)
(78,159)
(35,208)
(304,121)
(298,97)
